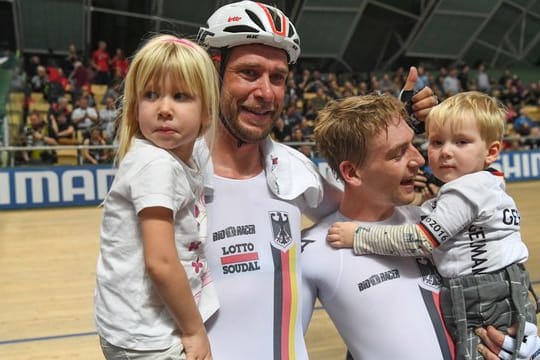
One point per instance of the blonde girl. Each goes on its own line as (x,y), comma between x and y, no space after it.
(153,291)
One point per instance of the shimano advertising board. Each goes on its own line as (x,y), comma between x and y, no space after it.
(54,186)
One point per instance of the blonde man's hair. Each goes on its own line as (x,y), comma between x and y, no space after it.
(486,111)
(344,127)
(184,63)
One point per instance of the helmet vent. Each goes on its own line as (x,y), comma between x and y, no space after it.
(255,19)
(240,29)
(276,18)
(291,32)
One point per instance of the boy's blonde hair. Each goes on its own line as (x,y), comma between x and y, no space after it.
(344,127)
(184,63)
(487,112)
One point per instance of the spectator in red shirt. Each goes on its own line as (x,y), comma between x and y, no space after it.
(79,78)
(101,64)
(120,64)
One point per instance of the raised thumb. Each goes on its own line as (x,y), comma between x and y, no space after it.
(412,77)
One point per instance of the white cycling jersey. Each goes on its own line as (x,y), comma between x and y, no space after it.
(383,307)
(252,251)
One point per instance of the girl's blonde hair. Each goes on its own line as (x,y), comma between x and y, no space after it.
(184,63)
(487,112)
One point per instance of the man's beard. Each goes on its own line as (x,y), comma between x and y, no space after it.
(243,133)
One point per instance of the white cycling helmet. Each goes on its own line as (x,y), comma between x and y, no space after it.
(249,22)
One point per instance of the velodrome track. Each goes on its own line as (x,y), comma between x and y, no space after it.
(47,270)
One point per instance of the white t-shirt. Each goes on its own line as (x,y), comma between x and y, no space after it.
(253,249)
(81,117)
(383,307)
(128,311)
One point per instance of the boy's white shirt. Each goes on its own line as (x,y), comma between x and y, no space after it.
(479,200)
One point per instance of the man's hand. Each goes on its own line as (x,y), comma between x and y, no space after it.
(424,188)
(341,234)
(424,100)
(496,345)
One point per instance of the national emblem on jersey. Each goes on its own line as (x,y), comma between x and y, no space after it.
(430,276)
(281,228)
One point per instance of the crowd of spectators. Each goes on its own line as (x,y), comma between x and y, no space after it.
(76,116)
(308,91)
(73,114)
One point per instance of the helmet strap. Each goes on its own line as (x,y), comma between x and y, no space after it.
(227,126)
(220,58)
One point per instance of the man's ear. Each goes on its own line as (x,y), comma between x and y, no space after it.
(493,150)
(216,59)
(215,55)
(350,173)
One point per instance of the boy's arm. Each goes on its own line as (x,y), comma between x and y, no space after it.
(170,279)
(397,240)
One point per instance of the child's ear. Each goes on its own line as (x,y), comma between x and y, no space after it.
(493,150)
(350,173)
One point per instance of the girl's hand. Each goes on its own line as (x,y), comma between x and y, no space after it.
(197,346)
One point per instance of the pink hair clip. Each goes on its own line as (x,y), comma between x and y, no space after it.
(181,41)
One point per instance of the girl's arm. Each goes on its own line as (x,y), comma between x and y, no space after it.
(170,279)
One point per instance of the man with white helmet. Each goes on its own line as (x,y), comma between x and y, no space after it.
(257,188)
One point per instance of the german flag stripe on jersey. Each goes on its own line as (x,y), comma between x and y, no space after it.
(495,172)
(285,303)
(432,302)
(434,242)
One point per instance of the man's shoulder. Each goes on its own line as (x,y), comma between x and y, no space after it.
(314,231)
(314,237)
(319,229)
(270,145)
(410,213)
